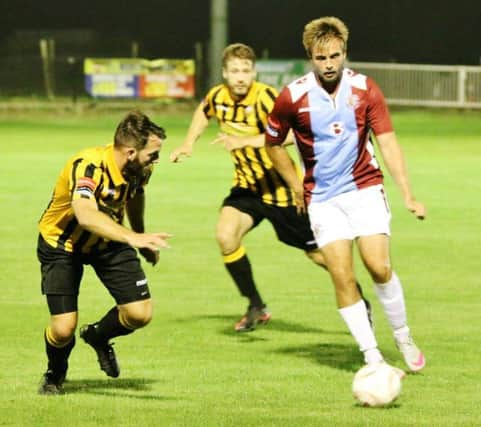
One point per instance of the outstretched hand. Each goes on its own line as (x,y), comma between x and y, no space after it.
(230,142)
(152,241)
(417,208)
(179,153)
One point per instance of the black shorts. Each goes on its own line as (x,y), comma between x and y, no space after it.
(117,266)
(291,228)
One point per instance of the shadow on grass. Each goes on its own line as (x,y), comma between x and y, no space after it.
(278,325)
(124,387)
(337,356)
(346,357)
(390,406)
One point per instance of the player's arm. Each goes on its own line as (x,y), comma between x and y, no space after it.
(395,162)
(135,212)
(91,219)
(233,142)
(197,126)
(285,166)
(277,137)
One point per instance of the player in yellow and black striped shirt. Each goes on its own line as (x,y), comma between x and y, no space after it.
(241,105)
(83,224)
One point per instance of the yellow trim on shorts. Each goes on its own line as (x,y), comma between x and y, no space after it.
(234,256)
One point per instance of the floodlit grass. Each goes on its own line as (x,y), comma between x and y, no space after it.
(188,367)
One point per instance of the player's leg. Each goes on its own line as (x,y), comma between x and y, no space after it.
(295,230)
(120,270)
(61,275)
(241,211)
(338,256)
(374,252)
(232,225)
(59,337)
(333,234)
(231,228)
(316,256)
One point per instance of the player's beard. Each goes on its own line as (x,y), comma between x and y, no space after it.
(133,168)
(330,84)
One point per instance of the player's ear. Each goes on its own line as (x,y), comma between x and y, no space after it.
(131,153)
(224,73)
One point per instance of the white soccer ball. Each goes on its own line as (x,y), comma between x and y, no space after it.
(376,384)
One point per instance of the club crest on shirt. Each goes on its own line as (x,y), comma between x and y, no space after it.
(337,128)
(353,101)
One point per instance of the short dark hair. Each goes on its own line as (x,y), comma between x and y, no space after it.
(134,130)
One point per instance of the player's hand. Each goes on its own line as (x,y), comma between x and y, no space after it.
(300,203)
(417,208)
(151,241)
(152,257)
(230,142)
(179,153)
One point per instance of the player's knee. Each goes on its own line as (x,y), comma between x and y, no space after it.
(136,315)
(381,274)
(62,332)
(226,241)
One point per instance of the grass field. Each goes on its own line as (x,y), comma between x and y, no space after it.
(188,367)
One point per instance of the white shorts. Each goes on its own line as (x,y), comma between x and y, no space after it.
(350,215)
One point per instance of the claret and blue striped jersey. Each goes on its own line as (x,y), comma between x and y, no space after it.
(332,135)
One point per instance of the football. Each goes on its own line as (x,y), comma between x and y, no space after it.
(377,385)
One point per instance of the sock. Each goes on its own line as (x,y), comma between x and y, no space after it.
(110,326)
(357,321)
(391,297)
(402,334)
(57,353)
(239,268)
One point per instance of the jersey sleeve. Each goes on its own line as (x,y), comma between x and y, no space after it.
(85,179)
(208,102)
(265,103)
(378,117)
(280,119)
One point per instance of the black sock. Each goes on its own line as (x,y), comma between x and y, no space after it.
(109,327)
(241,272)
(58,356)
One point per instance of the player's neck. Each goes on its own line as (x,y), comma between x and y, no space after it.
(120,158)
(330,87)
(238,98)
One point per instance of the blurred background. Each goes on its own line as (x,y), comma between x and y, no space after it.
(44,45)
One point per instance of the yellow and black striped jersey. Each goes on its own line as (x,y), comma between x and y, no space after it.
(91,174)
(248,117)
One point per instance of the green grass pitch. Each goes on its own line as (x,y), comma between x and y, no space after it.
(188,367)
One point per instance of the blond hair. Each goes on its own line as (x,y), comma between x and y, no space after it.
(320,31)
(238,50)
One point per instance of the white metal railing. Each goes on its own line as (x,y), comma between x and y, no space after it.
(402,84)
(426,85)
